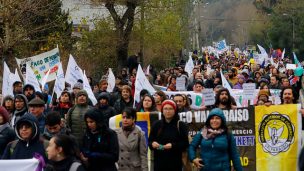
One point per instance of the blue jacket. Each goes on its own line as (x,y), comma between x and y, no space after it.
(216,153)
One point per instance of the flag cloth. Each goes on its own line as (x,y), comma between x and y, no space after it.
(189,66)
(73,72)
(278,137)
(24,165)
(7,84)
(141,83)
(30,78)
(227,85)
(45,78)
(111,81)
(60,82)
(88,89)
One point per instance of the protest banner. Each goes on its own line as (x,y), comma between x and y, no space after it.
(41,64)
(240,121)
(249,91)
(208,96)
(278,137)
(181,83)
(24,165)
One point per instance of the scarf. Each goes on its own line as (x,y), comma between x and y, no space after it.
(209,133)
(128,129)
(65,105)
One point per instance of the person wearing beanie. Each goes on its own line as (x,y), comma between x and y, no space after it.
(76,88)
(168,139)
(8,104)
(75,115)
(20,106)
(7,134)
(100,149)
(218,147)
(105,109)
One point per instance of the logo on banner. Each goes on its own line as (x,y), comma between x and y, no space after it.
(276,133)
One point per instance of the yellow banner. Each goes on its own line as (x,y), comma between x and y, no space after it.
(278,137)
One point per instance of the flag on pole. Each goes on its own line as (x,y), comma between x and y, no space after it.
(148,70)
(141,83)
(60,82)
(30,78)
(295,59)
(44,79)
(111,81)
(88,89)
(73,72)
(283,53)
(7,84)
(189,66)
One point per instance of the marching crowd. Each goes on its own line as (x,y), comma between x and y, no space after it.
(69,133)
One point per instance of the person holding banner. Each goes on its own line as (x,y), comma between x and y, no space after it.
(218,147)
(168,139)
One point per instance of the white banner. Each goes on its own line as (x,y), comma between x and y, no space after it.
(88,89)
(111,81)
(141,83)
(41,64)
(73,72)
(59,83)
(16,165)
(30,78)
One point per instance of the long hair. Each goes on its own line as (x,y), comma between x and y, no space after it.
(294,93)
(152,108)
(217,98)
(69,147)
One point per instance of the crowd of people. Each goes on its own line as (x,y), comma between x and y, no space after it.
(70,132)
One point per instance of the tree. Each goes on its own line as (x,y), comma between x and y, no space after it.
(26,26)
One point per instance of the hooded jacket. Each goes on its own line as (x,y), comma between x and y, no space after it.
(106,110)
(17,114)
(31,97)
(101,147)
(25,149)
(217,152)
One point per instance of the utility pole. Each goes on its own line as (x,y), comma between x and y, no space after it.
(142,28)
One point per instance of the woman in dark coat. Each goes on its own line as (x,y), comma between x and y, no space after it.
(218,146)
(100,148)
(168,139)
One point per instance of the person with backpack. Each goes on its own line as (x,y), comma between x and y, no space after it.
(168,139)
(132,144)
(61,154)
(217,144)
(28,144)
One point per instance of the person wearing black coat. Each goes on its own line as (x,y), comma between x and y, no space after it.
(105,109)
(28,142)
(7,134)
(168,139)
(100,148)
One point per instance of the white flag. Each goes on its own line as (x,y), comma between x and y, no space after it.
(226,84)
(263,56)
(44,79)
(73,72)
(88,89)
(7,84)
(16,77)
(20,164)
(283,53)
(141,83)
(30,78)
(148,70)
(60,82)
(111,81)
(189,66)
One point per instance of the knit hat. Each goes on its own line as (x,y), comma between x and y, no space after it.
(4,114)
(82,92)
(263,92)
(169,102)
(78,85)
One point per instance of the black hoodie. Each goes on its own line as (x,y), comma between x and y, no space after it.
(17,114)
(32,96)
(25,149)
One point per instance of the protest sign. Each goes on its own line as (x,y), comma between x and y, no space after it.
(41,64)
(249,91)
(208,96)
(180,83)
